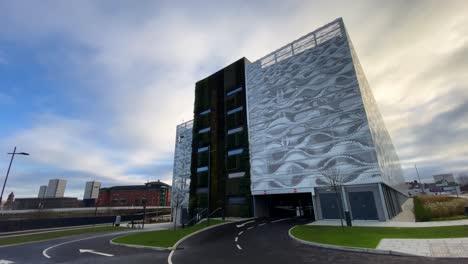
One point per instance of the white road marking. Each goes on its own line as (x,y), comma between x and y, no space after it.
(44,252)
(279,220)
(262,224)
(95,252)
(243,224)
(240,233)
(235,240)
(169,259)
(4,261)
(239,247)
(250,228)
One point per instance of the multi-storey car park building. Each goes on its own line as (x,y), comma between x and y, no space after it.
(267,133)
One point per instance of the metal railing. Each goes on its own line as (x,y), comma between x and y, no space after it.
(311,40)
(196,218)
(199,216)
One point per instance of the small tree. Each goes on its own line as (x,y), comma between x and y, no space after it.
(335,179)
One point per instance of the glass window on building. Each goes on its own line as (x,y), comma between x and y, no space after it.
(204,130)
(205,112)
(235,175)
(235,152)
(202,149)
(235,110)
(234,91)
(235,130)
(236,200)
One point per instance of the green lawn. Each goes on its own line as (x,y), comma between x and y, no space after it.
(55,234)
(163,238)
(369,237)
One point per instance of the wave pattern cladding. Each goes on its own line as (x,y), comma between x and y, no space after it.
(305,115)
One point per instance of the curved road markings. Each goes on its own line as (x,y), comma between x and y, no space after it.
(243,224)
(239,247)
(95,252)
(235,240)
(262,224)
(44,252)
(250,228)
(279,220)
(240,233)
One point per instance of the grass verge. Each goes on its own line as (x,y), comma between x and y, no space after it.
(369,237)
(162,238)
(4,241)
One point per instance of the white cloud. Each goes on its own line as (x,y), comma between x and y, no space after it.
(138,69)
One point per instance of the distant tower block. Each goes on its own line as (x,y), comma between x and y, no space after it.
(56,188)
(42,191)
(92,190)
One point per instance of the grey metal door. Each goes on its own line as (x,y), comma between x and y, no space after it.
(363,205)
(329,205)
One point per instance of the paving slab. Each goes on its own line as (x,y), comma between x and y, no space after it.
(447,247)
(393,223)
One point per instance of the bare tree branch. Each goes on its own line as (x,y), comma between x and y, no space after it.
(335,179)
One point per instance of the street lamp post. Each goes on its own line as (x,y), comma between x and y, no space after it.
(9,167)
(419,178)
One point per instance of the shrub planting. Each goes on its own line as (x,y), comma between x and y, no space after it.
(428,207)
(421,213)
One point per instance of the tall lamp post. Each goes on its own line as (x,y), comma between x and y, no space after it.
(9,167)
(419,178)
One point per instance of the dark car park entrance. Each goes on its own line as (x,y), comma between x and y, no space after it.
(284,205)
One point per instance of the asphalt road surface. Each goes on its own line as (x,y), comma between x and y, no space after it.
(252,241)
(267,241)
(67,250)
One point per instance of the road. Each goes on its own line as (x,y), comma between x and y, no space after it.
(67,250)
(251,241)
(267,241)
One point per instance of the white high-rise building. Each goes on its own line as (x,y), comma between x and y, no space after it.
(92,190)
(42,191)
(56,188)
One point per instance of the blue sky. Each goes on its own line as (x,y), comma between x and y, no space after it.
(94,89)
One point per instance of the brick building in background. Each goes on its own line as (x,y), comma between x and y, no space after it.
(154,193)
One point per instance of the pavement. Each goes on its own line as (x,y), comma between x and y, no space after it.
(46,230)
(452,247)
(267,241)
(55,229)
(376,223)
(407,212)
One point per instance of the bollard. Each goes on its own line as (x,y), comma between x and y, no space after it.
(348,218)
